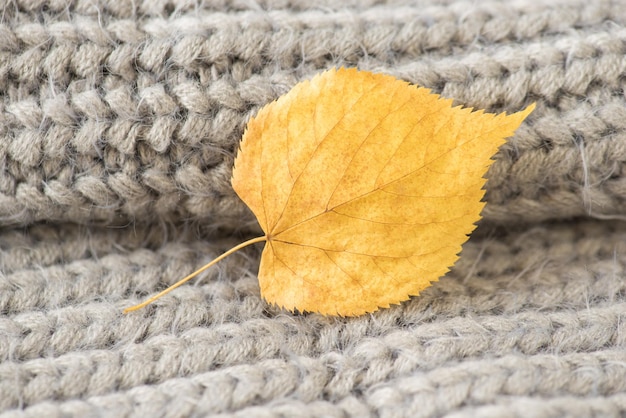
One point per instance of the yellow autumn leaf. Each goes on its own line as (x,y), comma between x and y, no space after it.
(365,187)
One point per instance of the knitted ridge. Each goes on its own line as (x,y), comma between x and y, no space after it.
(112,114)
(528,314)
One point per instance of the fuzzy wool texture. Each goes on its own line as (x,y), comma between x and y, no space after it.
(119,122)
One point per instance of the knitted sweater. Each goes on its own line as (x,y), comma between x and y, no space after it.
(119,122)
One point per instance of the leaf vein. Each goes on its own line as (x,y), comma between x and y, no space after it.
(356,151)
(395,223)
(365,254)
(344,272)
(315,151)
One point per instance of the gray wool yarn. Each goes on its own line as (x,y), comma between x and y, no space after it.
(119,122)
(114,113)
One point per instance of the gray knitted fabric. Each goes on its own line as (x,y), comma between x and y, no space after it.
(119,122)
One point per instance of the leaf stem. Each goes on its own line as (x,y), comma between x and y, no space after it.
(195,273)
